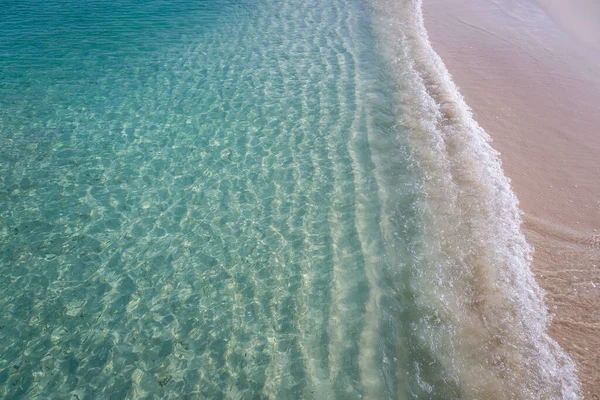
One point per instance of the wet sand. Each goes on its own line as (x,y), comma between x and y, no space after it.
(531,73)
(580,18)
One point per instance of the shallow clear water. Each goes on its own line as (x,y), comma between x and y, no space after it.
(254,199)
(191,202)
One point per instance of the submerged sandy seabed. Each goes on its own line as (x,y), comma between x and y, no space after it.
(531,73)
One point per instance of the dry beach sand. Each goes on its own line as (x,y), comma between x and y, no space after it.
(531,73)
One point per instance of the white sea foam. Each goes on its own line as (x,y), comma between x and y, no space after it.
(484,317)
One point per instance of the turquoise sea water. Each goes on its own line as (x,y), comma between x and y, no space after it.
(216,199)
(189,202)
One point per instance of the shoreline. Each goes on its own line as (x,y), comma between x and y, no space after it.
(472,233)
(534,87)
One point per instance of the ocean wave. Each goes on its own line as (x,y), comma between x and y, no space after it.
(483,312)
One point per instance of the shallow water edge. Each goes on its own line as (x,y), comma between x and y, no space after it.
(477,275)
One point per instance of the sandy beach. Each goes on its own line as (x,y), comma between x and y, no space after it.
(531,73)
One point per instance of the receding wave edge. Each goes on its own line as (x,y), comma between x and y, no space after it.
(489,330)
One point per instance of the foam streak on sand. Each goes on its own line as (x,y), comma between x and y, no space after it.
(476,276)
